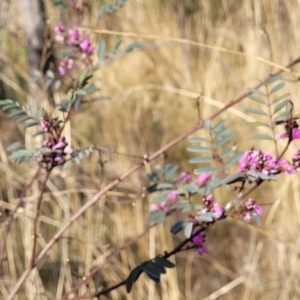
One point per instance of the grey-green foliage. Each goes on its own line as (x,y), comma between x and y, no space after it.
(15,110)
(273,110)
(219,144)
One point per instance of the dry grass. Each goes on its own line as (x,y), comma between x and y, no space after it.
(154,96)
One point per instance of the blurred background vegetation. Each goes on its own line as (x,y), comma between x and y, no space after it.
(153,98)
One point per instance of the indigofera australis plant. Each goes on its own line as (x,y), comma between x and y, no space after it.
(188,196)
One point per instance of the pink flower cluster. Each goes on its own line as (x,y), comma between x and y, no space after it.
(203,179)
(184,177)
(57,154)
(198,241)
(65,64)
(210,205)
(264,162)
(164,205)
(74,38)
(249,209)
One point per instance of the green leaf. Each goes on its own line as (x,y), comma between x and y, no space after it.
(190,188)
(10,106)
(277,87)
(154,272)
(164,262)
(164,186)
(134,46)
(169,171)
(233,178)
(17,113)
(257,124)
(117,45)
(281,97)
(255,91)
(226,152)
(205,170)
(6,102)
(233,159)
(38,133)
(160,218)
(197,140)
(101,49)
(177,227)
(197,149)
(257,220)
(256,111)
(274,78)
(207,124)
(23,119)
(218,125)
(91,89)
(13,146)
(70,95)
(263,136)
(200,159)
(188,229)
(221,132)
(100,13)
(133,277)
(157,267)
(225,140)
(207,217)
(83,75)
(257,99)
(154,277)
(281,105)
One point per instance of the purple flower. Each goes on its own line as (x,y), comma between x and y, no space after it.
(296,134)
(198,239)
(155,207)
(202,250)
(74,36)
(65,63)
(218,210)
(173,196)
(289,169)
(58,159)
(258,209)
(59,30)
(249,209)
(60,145)
(85,46)
(203,178)
(184,177)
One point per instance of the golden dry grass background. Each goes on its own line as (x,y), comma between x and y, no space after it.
(231,45)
